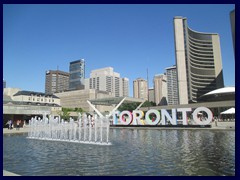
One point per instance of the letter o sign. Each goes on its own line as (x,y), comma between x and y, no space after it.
(149,121)
(205,122)
(128,119)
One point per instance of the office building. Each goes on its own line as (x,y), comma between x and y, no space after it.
(160,89)
(125,87)
(77,74)
(140,89)
(198,61)
(172,89)
(56,81)
(105,79)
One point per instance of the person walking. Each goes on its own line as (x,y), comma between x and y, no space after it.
(18,124)
(9,124)
(215,121)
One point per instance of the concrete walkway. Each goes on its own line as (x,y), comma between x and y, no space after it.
(224,125)
(220,125)
(21,130)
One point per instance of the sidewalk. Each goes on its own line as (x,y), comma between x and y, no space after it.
(21,130)
(224,125)
(220,125)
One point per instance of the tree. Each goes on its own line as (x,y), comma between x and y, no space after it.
(148,104)
(128,106)
(65,114)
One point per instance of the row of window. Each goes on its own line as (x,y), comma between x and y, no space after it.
(38,99)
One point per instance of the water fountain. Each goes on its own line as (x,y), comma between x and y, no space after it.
(81,131)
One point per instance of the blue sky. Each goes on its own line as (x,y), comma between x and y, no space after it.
(129,38)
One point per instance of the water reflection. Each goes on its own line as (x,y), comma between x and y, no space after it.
(133,152)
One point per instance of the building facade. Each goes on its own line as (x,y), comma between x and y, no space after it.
(56,81)
(140,89)
(23,105)
(106,79)
(172,88)
(160,89)
(198,61)
(77,75)
(78,99)
(125,87)
(151,95)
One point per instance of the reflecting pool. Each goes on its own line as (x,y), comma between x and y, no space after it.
(132,152)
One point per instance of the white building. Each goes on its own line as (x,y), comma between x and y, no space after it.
(198,61)
(106,79)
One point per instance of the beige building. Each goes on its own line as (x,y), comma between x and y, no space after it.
(160,89)
(140,89)
(198,61)
(78,98)
(106,79)
(31,97)
(151,94)
(125,86)
(18,102)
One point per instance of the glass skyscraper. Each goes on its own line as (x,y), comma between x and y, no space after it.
(77,74)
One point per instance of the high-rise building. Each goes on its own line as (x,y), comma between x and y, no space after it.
(106,79)
(172,89)
(232,20)
(140,88)
(160,89)
(198,61)
(125,86)
(151,95)
(77,75)
(56,81)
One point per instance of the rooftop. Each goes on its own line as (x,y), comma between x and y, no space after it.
(29,93)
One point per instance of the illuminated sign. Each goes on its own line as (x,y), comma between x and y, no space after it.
(162,117)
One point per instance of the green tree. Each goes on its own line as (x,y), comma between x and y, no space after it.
(78,110)
(128,106)
(134,105)
(65,113)
(148,104)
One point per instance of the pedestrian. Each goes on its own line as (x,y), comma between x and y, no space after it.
(18,124)
(215,121)
(9,124)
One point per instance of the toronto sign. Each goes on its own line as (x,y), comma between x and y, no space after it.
(163,117)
